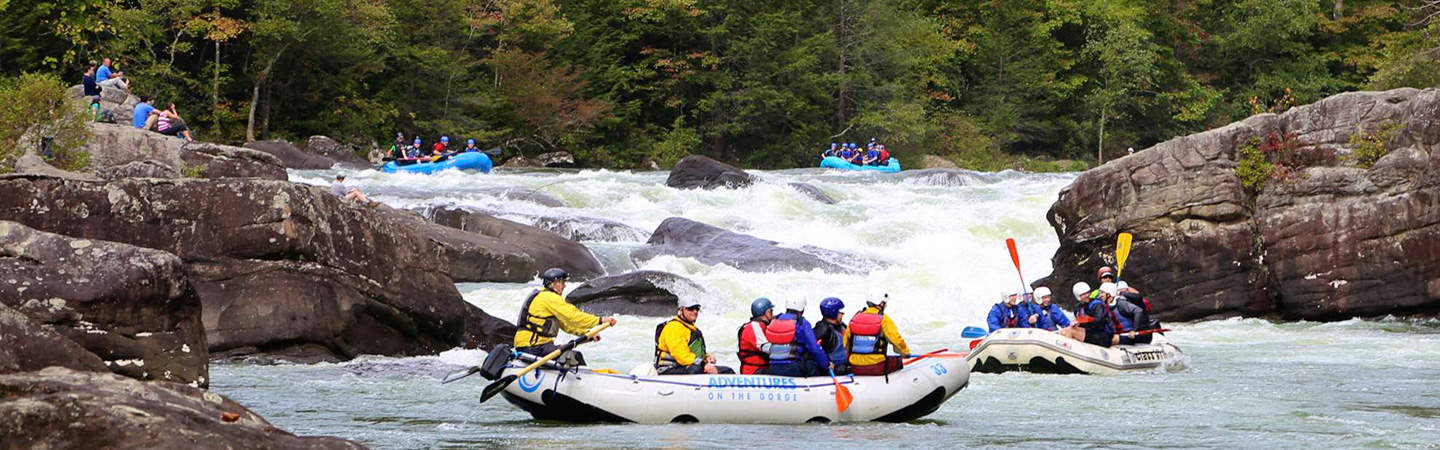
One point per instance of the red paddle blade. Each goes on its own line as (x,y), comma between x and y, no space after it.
(1014,255)
(843,397)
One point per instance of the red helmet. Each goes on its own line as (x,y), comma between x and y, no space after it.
(1106,270)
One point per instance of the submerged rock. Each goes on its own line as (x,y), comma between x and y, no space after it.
(697,171)
(1329,242)
(503,250)
(708,244)
(290,156)
(813,192)
(63,408)
(642,293)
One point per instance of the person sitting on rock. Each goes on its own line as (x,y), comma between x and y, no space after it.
(338,188)
(103,72)
(680,346)
(116,81)
(91,87)
(545,313)
(870,332)
(754,348)
(169,123)
(141,118)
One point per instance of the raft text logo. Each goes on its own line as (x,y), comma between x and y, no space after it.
(752,382)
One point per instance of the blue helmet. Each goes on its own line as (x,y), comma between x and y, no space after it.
(417,140)
(469,142)
(830,307)
(852,145)
(444,138)
(759,306)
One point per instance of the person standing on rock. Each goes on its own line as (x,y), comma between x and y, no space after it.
(680,346)
(754,348)
(546,312)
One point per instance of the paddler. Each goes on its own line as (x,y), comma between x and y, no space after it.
(1005,314)
(870,332)
(1092,316)
(546,312)
(754,348)
(830,331)
(680,347)
(1051,317)
(793,348)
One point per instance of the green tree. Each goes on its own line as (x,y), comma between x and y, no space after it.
(1123,59)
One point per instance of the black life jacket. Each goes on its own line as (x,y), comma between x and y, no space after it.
(548,326)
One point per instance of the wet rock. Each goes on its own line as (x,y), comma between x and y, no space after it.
(520,162)
(495,249)
(556,159)
(276,264)
(945,177)
(696,171)
(341,153)
(642,293)
(936,162)
(524,195)
(209,160)
(708,244)
(1331,242)
(814,192)
(118,144)
(578,228)
(131,307)
(64,408)
(290,156)
(30,346)
(138,169)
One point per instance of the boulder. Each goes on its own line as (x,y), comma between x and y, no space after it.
(947,177)
(112,145)
(696,171)
(118,144)
(520,162)
(524,195)
(936,162)
(64,408)
(641,293)
(708,244)
(30,346)
(131,307)
(209,160)
(495,249)
(139,169)
(813,192)
(1330,241)
(578,228)
(556,159)
(290,156)
(341,153)
(276,265)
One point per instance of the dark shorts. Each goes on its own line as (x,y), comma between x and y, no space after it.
(1099,339)
(1141,339)
(891,364)
(693,369)
(549,347)
(176,126)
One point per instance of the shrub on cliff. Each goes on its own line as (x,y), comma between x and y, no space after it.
(35,112)
(1371,144)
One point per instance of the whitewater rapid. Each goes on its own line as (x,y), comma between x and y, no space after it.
(1248,383)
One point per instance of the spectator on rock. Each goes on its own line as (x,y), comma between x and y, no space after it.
(92,88)
(142,117)
(338,188)
(116,81)
(169,123)
(103,73)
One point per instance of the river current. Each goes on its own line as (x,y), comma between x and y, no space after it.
(1245,383)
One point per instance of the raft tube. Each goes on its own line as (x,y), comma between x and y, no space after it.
(1041,351)
(833,162)
(585,395)
(460,161)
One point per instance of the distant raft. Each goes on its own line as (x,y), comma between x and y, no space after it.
(832,162)
(586,395)
(460,161)
(1041,351)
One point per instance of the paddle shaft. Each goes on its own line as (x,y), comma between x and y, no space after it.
(499,385)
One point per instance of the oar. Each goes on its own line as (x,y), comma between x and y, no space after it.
(917,357)
(938,355)
(973,332)
(1015,258)
(843,397)
(1122,252)
(500,384)
(1137,333)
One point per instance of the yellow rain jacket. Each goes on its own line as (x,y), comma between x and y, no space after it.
(548,306)
(892,336)
(678,343)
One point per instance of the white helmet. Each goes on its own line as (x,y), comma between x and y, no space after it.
(688,301)
(1041,292)
(1109,288)
(1080,290)
(795,303)
(1121,285)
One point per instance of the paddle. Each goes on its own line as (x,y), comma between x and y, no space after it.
(938,355)
(1015,258)
(1122,252)
(1162,330)
(913,359)
(843,397)
(500,384)
(974,332)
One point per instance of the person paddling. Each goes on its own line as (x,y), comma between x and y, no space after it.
(1005,314)
(870,333)
(680,346)
(830,331)
(1051,316)
(793,348)
(754,348)
(546,312)
(1092,316)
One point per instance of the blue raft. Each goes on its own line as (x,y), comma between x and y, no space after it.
(837,163)
(460,161)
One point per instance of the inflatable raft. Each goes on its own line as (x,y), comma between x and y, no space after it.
(1040,351)
(586,395)
(833,162)
(460,161)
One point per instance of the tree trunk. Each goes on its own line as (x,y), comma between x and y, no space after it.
(250,123)
(215,86)
(1100,148)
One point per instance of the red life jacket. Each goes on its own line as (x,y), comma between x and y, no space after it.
(752,357)
(781,333)
(867,334)
(884,157)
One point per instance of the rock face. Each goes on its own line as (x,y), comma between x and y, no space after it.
(341,153)
(280,268)
(495,249)
(131,307)
(1328,242)
(63,408)
(117,146)
(139,169)
(223,161)
(684,238)
(30,346)
(936,162)
(290,156)
(556,159)
(813,192)
(697,171)
(642,293)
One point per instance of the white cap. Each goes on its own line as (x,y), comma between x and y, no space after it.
(1109,288)
(1080,290)
(688,301)
(1121,285)
(1042,291)
(795,303)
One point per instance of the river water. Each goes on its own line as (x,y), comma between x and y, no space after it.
(1244,383)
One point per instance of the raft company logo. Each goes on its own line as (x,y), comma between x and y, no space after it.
(529,385)
(752,382)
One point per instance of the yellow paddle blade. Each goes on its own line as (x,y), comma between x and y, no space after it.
(1122,252)
(609,371)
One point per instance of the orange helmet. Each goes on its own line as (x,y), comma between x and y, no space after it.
(1106,270)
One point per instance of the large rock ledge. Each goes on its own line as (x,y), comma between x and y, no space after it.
(1333,242)
(277,266)
(62,408)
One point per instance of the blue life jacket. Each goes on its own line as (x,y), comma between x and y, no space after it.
(1003,316)
(1052,318)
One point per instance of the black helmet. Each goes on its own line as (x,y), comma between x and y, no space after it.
(553,274)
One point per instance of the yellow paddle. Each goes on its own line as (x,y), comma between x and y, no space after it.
(500,384)
(1122,252)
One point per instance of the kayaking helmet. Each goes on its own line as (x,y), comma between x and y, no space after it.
(830,307)
(1121,286)
(795,304)
(1105,271)
(1109,289)
(552,274)
(1080,290)
(417,140)
(444,138)
(1042,292)
(469,142)
(688,302)
(760,306)
(876,300)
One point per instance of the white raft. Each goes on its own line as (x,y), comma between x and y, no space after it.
(1040,351)
(584,395)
